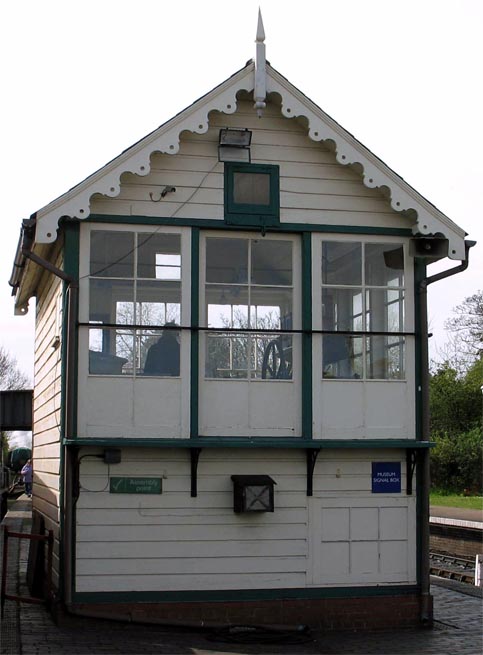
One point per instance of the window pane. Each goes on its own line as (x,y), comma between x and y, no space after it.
(159,353)
(151,296)
(271,308)
(112,254)
(385,310)
(385,357)
(217,356)
(227,306)
(271,262)
(384,264)
(363,308)
(226,356)
(271,359)
(341,263)
(264,301)
(395,310)
(342,309)
(342,356)
(150,313)
(124,345)
(110,351)
(159,256)
(111,301)
(125,314)
(158,302)
(168,267)
(251,188)
(227,260)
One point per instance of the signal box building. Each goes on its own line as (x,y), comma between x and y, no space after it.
(230,420)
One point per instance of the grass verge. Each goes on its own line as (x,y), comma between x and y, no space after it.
(443,499)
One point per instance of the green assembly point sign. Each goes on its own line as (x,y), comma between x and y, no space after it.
(135,485)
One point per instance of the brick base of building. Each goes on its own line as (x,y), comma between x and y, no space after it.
(359,613)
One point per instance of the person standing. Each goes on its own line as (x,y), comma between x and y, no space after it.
(27,474)
(163,356)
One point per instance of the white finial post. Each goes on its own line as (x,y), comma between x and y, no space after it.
(260,91)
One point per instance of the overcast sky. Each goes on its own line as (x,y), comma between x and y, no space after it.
(82,81)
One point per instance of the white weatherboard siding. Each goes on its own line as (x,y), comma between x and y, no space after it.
(172,542)
(47,406)
(314,187)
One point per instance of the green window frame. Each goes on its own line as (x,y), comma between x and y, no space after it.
(252,214)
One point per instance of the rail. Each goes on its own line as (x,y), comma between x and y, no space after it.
(451,567)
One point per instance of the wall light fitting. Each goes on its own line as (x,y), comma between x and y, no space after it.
(234,144)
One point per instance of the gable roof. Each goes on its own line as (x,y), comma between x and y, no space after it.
(428,220)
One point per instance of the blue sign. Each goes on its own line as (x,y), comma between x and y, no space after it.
(386,477)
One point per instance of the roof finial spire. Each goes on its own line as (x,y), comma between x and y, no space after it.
(260,90)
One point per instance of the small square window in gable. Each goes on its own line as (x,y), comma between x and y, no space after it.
(252,194)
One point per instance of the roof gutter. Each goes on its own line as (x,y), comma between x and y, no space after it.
(28,224)
(425,429)
(423,308)
(25,251)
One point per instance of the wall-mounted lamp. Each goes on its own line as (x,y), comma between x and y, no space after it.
(252,493)
(429,248)
(234,144)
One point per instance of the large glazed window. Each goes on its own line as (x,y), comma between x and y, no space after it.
(248,304)
(134,290)
(363,310)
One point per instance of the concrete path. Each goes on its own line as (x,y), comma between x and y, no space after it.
(457,513)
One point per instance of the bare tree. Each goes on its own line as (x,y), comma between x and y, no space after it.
(466,328)
(449,354)
(11,378)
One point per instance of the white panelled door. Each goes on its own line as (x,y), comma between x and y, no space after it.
(358,541)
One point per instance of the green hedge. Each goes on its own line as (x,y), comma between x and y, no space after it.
(456,462)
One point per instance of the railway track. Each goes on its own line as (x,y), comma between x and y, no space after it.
(452,567)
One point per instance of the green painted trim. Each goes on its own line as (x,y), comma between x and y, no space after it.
(62,450)
(251,215)
(195,337)
(419,514)
(420,273)
(307,394)
(71,267)
(221,225)
(419,276)
(244,594)
(249,442)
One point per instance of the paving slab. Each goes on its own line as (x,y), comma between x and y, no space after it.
(457,630)
(29,629)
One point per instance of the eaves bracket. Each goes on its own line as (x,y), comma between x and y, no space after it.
(411,461)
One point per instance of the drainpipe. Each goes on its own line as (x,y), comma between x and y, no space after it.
(69,459)
(425,427)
